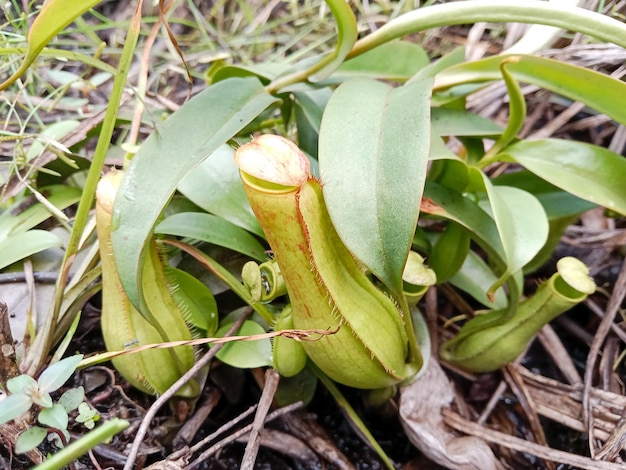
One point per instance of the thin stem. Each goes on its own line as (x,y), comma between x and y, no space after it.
(170,392)
(508,11)
(570,18)
(44,339)
(80,447)
(345,405)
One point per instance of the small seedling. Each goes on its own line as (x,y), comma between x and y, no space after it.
(25,392)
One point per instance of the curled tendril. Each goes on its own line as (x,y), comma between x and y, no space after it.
(265,281)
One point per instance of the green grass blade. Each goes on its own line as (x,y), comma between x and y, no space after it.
(43,342)
(53,18)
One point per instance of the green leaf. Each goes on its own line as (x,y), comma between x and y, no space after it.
(587,171)
(446,121)
(72,398)
(521,221)
(52,133)
(449,172)
(557,203)
(189,136)
(374,144)
(54,376)
(212,229)
(23,245)
(347,33)
(264,72)
(195,299)
(55,417)
(454,206)
(17,219)
(308,109)
(52,19)
(13,406)
(517,110)
(21,384)
(449,252)
(246,354)
(215,186)
(30,439)
(574,82)
(475,278)
(457,56)
(398,60)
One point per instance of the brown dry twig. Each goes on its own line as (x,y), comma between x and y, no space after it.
(169,393)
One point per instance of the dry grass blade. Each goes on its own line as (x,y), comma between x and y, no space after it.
(252,448)
(563,403)
(515,443)
(159,402)
(243,431)
(619,292)
(516,384)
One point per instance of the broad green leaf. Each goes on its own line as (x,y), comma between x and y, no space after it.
(454,206)
(587,171)
(184,140)
(373,154)
(30,439)
(22,245)
(557,229)
(439,150)
(521,221)
(574,82)
(308,109)
(446,121)
(215,186)
(55,417)
(449,251)
(195,299)
(212,229)
(246,354)
(13,406)
(557,203)
(475,278)
(72,398)
(457,56)
(27,213)
(449,172)
(21,384)
(54,376)
(398,60)
(312,104)
(52,19)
